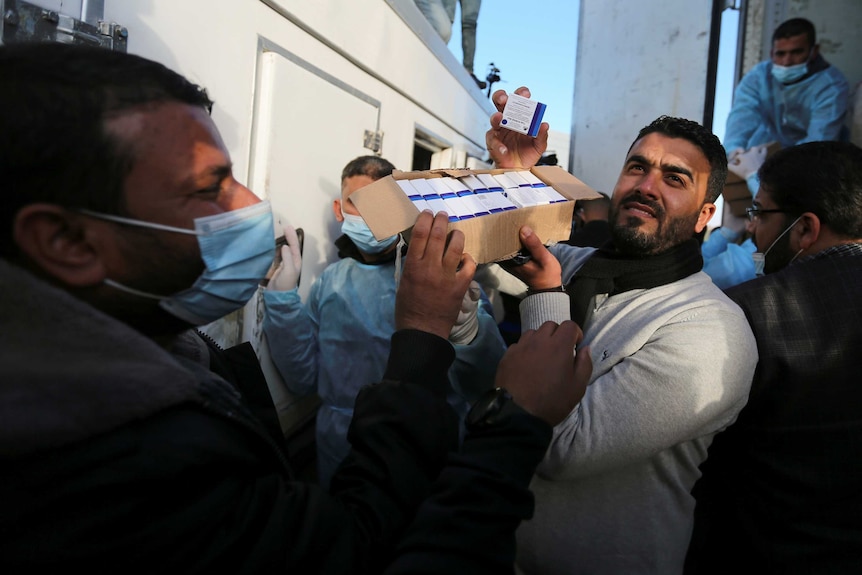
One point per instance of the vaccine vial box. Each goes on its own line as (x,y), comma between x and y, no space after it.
(389,207)
(523,115)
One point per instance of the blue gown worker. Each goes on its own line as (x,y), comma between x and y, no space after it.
(727,257)
(338,340)
(794,97)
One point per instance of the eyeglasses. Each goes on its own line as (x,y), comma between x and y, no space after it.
(754,212)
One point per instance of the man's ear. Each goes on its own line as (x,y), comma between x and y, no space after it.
(706,213)
(336,209)
(56,241)
(807,230)
(814,51)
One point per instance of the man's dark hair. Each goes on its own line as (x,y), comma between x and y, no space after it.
(824,178)
(54,101)
(374,167)
(705,140)
(795,27)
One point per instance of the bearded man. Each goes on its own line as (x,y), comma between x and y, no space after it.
(673,359)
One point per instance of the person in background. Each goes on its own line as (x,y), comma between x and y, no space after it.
(441,15)
(794,97)
(124,450)
(727,257)
(591,227)
(339,339)
(673,359)
(780,491)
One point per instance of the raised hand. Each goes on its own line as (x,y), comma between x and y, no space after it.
(510,149)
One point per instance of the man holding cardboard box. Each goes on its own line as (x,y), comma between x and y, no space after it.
(129,446)
(673,360)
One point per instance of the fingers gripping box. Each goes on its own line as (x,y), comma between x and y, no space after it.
(490,232)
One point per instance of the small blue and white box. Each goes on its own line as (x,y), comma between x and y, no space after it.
(523,115)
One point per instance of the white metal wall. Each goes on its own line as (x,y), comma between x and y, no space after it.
(636,60)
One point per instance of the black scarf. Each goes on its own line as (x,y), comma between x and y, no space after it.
(608,271)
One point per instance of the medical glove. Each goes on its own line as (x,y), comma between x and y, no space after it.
(467,325)
(286,275)
(732,155)
(748,162)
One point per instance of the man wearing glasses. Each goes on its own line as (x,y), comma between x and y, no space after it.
(780,491)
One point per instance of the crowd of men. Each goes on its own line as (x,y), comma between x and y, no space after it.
(645,421)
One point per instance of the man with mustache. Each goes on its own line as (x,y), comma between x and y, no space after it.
(672,359)
(127,445)
(780,488)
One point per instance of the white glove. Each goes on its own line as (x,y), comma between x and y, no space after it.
(733,154)
(467,325)
(748,162)
(286,274)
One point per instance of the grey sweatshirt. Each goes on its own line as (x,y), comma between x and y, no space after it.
(672,366)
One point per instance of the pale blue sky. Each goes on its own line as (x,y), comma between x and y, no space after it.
(534,44)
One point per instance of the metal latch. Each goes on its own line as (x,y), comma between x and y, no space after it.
(26,22)
(373,141)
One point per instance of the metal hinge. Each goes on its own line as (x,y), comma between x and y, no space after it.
(373,141)
(26,22)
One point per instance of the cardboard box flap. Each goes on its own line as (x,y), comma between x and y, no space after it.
(565,183)
(386,212)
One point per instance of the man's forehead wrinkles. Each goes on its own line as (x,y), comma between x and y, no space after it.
(668,166)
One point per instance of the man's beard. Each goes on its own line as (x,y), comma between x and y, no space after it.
(779,256)
(629,239)
(160,265)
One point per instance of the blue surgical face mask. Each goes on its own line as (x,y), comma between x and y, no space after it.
(358,231)
(237,248)
(760,258)
(788,74)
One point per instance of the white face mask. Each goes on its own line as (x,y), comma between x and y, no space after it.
(760,258)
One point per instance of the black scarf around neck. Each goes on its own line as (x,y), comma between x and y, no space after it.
(608,271)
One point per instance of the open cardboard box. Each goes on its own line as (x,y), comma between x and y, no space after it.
(736,194)
(388,211)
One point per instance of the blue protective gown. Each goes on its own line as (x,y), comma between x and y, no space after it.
(338,342)
(726,262)
(765,110)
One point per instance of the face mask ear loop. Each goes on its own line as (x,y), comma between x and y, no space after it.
(138,223)
(127,289)
(796,256)
(399,249)
(781,235)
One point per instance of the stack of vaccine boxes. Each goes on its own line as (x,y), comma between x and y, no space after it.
(489,206)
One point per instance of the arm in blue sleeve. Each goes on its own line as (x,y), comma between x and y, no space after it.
(828,109)
(290,329)
(746,114)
